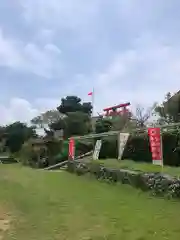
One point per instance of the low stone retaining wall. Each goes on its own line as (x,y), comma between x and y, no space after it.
(158,184)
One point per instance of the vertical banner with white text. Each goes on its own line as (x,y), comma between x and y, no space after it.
(97,149)
(71,149)
(123,138)
(156,145)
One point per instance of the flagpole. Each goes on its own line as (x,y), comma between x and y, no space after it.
(92,102)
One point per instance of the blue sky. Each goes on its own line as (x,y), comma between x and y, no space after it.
(129,50)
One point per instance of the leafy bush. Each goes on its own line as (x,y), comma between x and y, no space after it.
(83,147)
(16,134)
(138,148)
(27,155)
(38,156)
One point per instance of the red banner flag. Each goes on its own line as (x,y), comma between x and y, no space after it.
(71,149)
(90,93)
(156,145)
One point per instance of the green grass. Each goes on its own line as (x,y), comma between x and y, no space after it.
(58,205)
(145,167)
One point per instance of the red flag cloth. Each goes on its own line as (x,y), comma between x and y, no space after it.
(90,93)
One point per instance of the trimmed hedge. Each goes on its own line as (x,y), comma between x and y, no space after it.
(138,148)
(157,183)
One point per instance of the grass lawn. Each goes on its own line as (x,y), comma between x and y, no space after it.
(146,167)
(41,205)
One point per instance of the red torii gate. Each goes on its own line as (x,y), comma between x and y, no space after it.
(112,111)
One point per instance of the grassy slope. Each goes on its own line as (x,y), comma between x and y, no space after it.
(58,205)
(146,167)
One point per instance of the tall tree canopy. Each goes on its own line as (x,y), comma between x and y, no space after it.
(72,115)
(78,116)
(16,134)
(142,115)
(47,118)
(103,125)
(73,104)
(116,123)
(169,110)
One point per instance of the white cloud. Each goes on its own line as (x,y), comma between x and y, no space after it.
(141,71)
(44,104)
(52,49)
(8,53)
(142,74)
(19,109)
(61,13)
(45,35)
(43,61)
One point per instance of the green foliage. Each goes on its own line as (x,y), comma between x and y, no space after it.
(40,155)
(48,117)
(49,152)
(77,119)
(16,134)
(73,116)
(2,131)
(169,111)
(75,123)
(109,148)
(33,157)
(83,147)
(120,122)
(27,155)
(58,125)
(116,123)
(138,148)
(103,125)
(78,123)
(54,147)
(73,104)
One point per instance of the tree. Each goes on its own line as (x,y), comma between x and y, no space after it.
(72,116)
(2,139)
(16,134)
(116,123)
(38,121)
(47,118)
(77,120)
(169,110)
(119,122)
(87,107)
(103,125)
(75,123)
(143,115)
(78,123)
(58,125)
(73,104)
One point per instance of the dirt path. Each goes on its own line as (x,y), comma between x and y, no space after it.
(4,222)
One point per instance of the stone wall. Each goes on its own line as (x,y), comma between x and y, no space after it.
(158,184)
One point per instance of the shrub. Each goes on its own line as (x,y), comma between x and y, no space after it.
(27,155)
(138,148)
(83,147)
(36,155)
